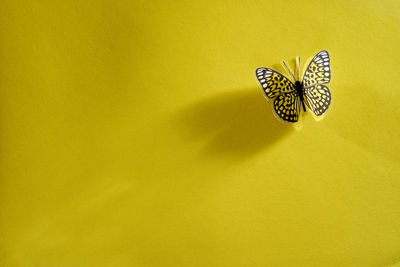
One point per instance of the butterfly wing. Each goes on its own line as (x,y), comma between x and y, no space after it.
(286,101)
(317,96)
(273,83)
(287,106)
(318,71)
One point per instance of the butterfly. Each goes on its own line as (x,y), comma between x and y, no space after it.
(290,95)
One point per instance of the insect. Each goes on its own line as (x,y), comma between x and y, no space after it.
(290,95)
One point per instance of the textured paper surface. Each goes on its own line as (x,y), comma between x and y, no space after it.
(134,133)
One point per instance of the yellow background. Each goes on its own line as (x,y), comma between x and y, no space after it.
(135,133)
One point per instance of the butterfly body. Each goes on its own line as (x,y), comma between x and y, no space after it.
(300,91)
(289,95)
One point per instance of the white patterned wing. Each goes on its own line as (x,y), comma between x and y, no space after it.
(318,70)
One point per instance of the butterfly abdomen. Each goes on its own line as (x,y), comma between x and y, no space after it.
(299,89)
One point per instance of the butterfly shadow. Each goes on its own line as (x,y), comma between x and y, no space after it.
(238,123)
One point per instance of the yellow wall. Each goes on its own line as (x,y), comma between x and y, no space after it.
(135,133)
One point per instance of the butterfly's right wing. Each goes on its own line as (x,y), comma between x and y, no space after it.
(318,72)
(276,86)
(318,98)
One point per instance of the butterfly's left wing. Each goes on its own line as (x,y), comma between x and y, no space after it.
(273,83)
(286,101)
(317,96)
(287,106)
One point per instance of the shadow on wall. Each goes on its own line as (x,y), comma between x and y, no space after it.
(238,123)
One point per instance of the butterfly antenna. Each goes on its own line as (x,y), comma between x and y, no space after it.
(298,68)
(288,70)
